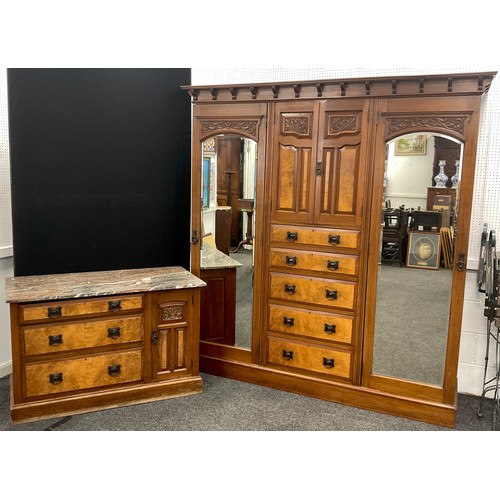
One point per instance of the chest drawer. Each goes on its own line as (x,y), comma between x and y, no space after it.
(64,337)
(315,261)
(307,357)
(318,291)
(319,236)
(314,324)
(70,308)
(83,373)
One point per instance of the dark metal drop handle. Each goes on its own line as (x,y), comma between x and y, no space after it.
(333,265)
(291,261)
(114,333)
(288,321)
(331,294)
(154,336)
(287,354)
(54,312)
(333,239)
(114,305)
(328,362)
(330,328)
(292,236)
(55,378)
(290,289)
(55,339)
(114,370)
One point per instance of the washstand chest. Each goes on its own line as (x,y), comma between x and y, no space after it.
(88,341)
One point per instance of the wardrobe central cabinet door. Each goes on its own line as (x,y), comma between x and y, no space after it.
(343,130)
(294,161)
(319,149)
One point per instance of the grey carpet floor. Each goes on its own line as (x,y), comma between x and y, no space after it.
(244,300)
(228,405)
(411,323)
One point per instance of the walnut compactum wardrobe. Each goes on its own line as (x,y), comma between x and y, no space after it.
(329,319)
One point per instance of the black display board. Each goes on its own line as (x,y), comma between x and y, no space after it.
(100,169)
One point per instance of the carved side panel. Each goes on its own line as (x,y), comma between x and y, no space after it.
(298,124)
(172,312)
(339,124)
(452,124)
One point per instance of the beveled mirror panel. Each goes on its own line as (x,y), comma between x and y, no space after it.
(229,166)
(418,222)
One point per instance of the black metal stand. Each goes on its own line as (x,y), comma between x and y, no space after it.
(488,283)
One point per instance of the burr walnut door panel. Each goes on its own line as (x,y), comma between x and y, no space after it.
(293,161)
(341,158)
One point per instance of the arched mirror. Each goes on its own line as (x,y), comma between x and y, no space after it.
(228,174)
(418,223)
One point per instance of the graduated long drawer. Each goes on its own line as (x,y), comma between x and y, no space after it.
(62,337)
(313,324)
(307,357)
(320,236)
(291,258)
(309,290)
(83,373)
(55,310)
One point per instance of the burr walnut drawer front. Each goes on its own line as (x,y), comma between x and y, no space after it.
(69,308)
(83,373)
(308,357)
(314,261)
(320,236)
(314,324)
(61,337)
(318,291)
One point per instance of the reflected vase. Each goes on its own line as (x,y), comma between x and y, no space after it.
(441,178)
(455,178)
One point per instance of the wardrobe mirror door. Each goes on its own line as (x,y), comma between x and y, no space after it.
(229,164)
(417,234)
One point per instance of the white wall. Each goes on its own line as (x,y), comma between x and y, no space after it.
(408,177)
(6,271)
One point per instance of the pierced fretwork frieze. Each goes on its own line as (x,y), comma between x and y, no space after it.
(247,127)
(450,123)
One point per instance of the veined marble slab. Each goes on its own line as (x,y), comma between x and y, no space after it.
(99,283)
(212,258)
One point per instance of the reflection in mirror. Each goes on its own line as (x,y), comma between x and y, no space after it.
(227,261)
(417,234)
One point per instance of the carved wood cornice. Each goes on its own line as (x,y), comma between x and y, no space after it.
(406,86)
(249,127)
(449,123)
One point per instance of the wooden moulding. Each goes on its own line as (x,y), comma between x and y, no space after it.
(359,397)
(432,85)
(104,399)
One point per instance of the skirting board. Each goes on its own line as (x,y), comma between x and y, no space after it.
(5,369)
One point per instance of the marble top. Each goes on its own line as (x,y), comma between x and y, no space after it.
(212,258)
(98,283)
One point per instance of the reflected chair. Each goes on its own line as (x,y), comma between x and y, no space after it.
(394,235)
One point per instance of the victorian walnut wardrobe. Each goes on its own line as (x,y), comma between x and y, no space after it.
(318,320)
